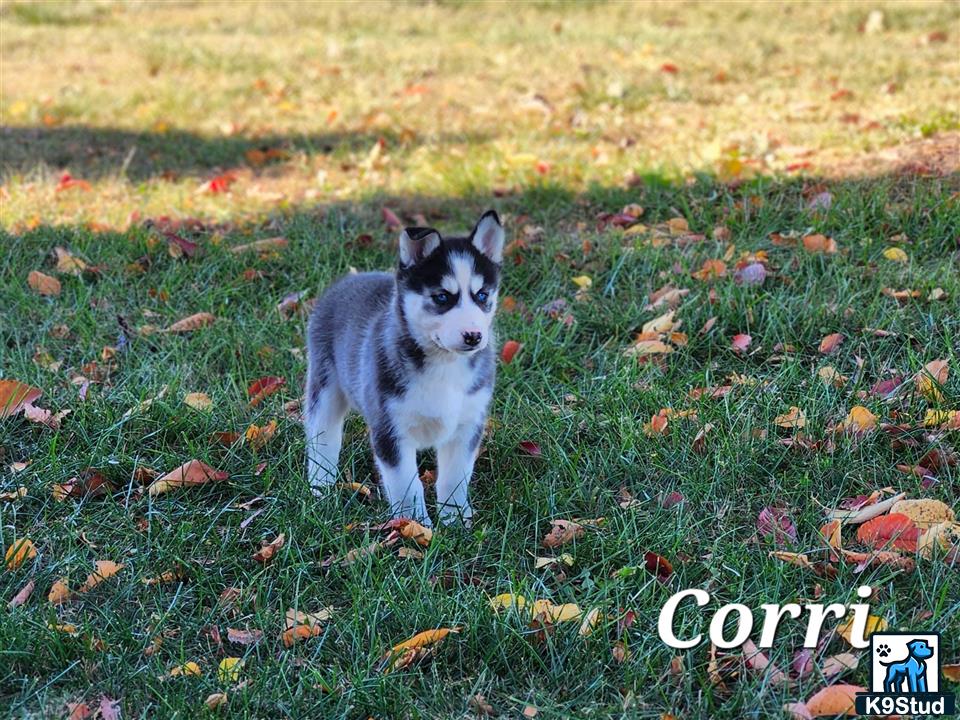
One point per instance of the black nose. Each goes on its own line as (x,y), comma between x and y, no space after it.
(472,338)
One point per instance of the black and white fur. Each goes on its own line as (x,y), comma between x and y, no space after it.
(414,353)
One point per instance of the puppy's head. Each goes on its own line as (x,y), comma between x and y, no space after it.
(447,287)
(920,649)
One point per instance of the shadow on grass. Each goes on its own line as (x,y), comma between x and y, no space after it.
(93,153)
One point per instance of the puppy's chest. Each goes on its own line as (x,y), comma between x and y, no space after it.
(436,403)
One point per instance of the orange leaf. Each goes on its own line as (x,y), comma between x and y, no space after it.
(59,593)
(820,244)
(831,533)
(417,532)
(192,472)
(14,395)
(19,553)
(896,530)
(106,569)
(830,343)
(264,387)
(711,269)
(510,348)
(43,284)
(265,554)
(834,700)
(258,436)
(425,638)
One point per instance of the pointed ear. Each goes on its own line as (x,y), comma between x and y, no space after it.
(416,243)
(488,236)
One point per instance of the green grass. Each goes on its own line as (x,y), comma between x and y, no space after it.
(191,90)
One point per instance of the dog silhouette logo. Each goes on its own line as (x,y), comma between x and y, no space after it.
(910,673)
(905,676)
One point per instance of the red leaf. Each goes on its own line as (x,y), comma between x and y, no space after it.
(657,565)
(220,183)
(530,448)
(886,387)
(894,529)
(67,181)
(741,342)
(263,387)
(510,348)
(671,499)
(669,68)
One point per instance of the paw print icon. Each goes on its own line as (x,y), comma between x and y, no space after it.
(883,650)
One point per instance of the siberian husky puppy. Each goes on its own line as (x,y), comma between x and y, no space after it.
(414,353)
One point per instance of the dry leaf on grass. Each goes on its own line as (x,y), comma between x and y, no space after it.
(301,625)
(924,513)
(191,323)
(265,554)
(192,472)
(258,436)
(105,569)
(228,671)
(43,284)
(830,343)
(18,553)
(244,637)
(22,595)
(563,531)
(14,395)
(59,593)
(794,418)
(413,530)
(215,701)
(42,416)
(264,387)
(198,401)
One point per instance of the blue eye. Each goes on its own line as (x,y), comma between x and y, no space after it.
(483,296)
(441,298)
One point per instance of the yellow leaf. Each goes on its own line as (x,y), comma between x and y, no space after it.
(66,628)
(924,512)
(829,375)
(939,417)
(896,255)
(229,669)
(943,535)
(19,553)
(874,624)
(590,621)
(583,281)
(929,380)
(258,436)
(188,668)
(662,324)
(859,420)
(507,600)
(795,418)
(106,569)
(198,401)
(647,347)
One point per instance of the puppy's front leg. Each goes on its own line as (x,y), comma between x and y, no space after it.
(455,461)
(397,463)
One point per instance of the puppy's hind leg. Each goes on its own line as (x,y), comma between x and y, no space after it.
(326,410)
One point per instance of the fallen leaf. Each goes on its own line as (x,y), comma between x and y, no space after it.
(895,529)
(657,565)
(44,284)
(510,348)
(923,513)
(188,668)
(268,550)
(740,342)
(14,395)
(215,701)
(834,700)
(874,624)
(507,600)
(859,420)
(794,418)
(774,523)
(830,343)
(755,659)
(792,558)
(191,323)
(710,270)
(932,378)
(301,625)
(198,401)
(531,448)
(819,244)
(59,593)
(274,243)
(19,552)
(228,671)
(830,376)
(563,531)
(417,532)
(244,637)
(109,708)
(584,282)
(78,711)
(42,416)
(836,664)
(22,595)
(263,388)
(105,569)
(258,436)
(192,472)
(896,255)
(68,263)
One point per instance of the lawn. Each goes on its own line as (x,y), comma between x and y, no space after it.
(790,170)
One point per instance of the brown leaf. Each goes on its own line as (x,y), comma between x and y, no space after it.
(830,343)
(755,659)
(78,711)
(836,664)
(268,550)
(192,472)
(68,263)
(215,701)
(22,595)
(563,531)
(191,323)
(274,243)
(417,532)
(244,637)
(819,244)
(43,284)
(14,395)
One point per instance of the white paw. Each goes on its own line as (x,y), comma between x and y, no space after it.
(413,512)
(456,515)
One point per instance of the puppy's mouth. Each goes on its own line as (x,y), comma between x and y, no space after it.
(461,350)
